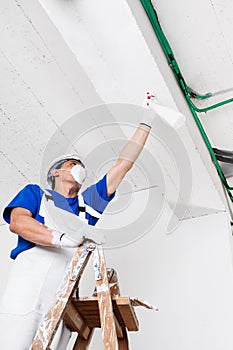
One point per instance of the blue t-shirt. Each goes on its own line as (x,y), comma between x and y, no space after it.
(30,198)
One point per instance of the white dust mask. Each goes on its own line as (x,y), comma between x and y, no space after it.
(79,173)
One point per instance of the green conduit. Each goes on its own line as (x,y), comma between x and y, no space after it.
(188,92)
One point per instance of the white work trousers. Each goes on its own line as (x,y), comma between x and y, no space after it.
(31,289)
(35,277)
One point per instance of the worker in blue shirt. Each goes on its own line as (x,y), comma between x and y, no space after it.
(46,240)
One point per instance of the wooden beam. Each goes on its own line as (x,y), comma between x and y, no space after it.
(75,322)
(105,306)
(82,344)
(118,328)
(113,282)
(50,323)
(127,313)
(123,343)
(89,310)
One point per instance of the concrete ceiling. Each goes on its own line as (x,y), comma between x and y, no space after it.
(60,59)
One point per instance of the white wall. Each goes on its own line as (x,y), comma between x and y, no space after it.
(188,275)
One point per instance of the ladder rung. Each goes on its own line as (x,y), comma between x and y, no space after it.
(88,310)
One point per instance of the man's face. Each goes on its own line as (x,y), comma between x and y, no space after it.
(69,164)
(63,173)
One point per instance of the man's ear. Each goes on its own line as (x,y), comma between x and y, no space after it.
(55,172)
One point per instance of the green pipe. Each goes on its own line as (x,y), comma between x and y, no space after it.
(206,109)
(152,15)
(212,154)
(194,94)
(171,59)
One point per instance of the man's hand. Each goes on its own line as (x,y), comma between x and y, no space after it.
(70,230)
(149,115)
(63,240)
(155,110)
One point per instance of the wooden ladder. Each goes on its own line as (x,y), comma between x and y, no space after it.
(106,309)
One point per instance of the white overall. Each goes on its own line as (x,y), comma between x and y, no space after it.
(32,284)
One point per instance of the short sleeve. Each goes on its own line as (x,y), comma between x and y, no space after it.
(96,195)
(28,198)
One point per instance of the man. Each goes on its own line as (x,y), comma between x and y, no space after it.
(45,248)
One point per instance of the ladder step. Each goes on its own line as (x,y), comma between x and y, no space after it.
(88,313)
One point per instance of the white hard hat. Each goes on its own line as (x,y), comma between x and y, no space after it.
(56,163)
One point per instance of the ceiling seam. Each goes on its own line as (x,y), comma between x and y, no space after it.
(48,48)
(34,96)
(221,31)
(204,214)
(19,171)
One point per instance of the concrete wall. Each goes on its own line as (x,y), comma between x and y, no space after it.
(188,275)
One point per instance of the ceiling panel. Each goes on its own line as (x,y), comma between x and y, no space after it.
(200,36)
(58,59)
